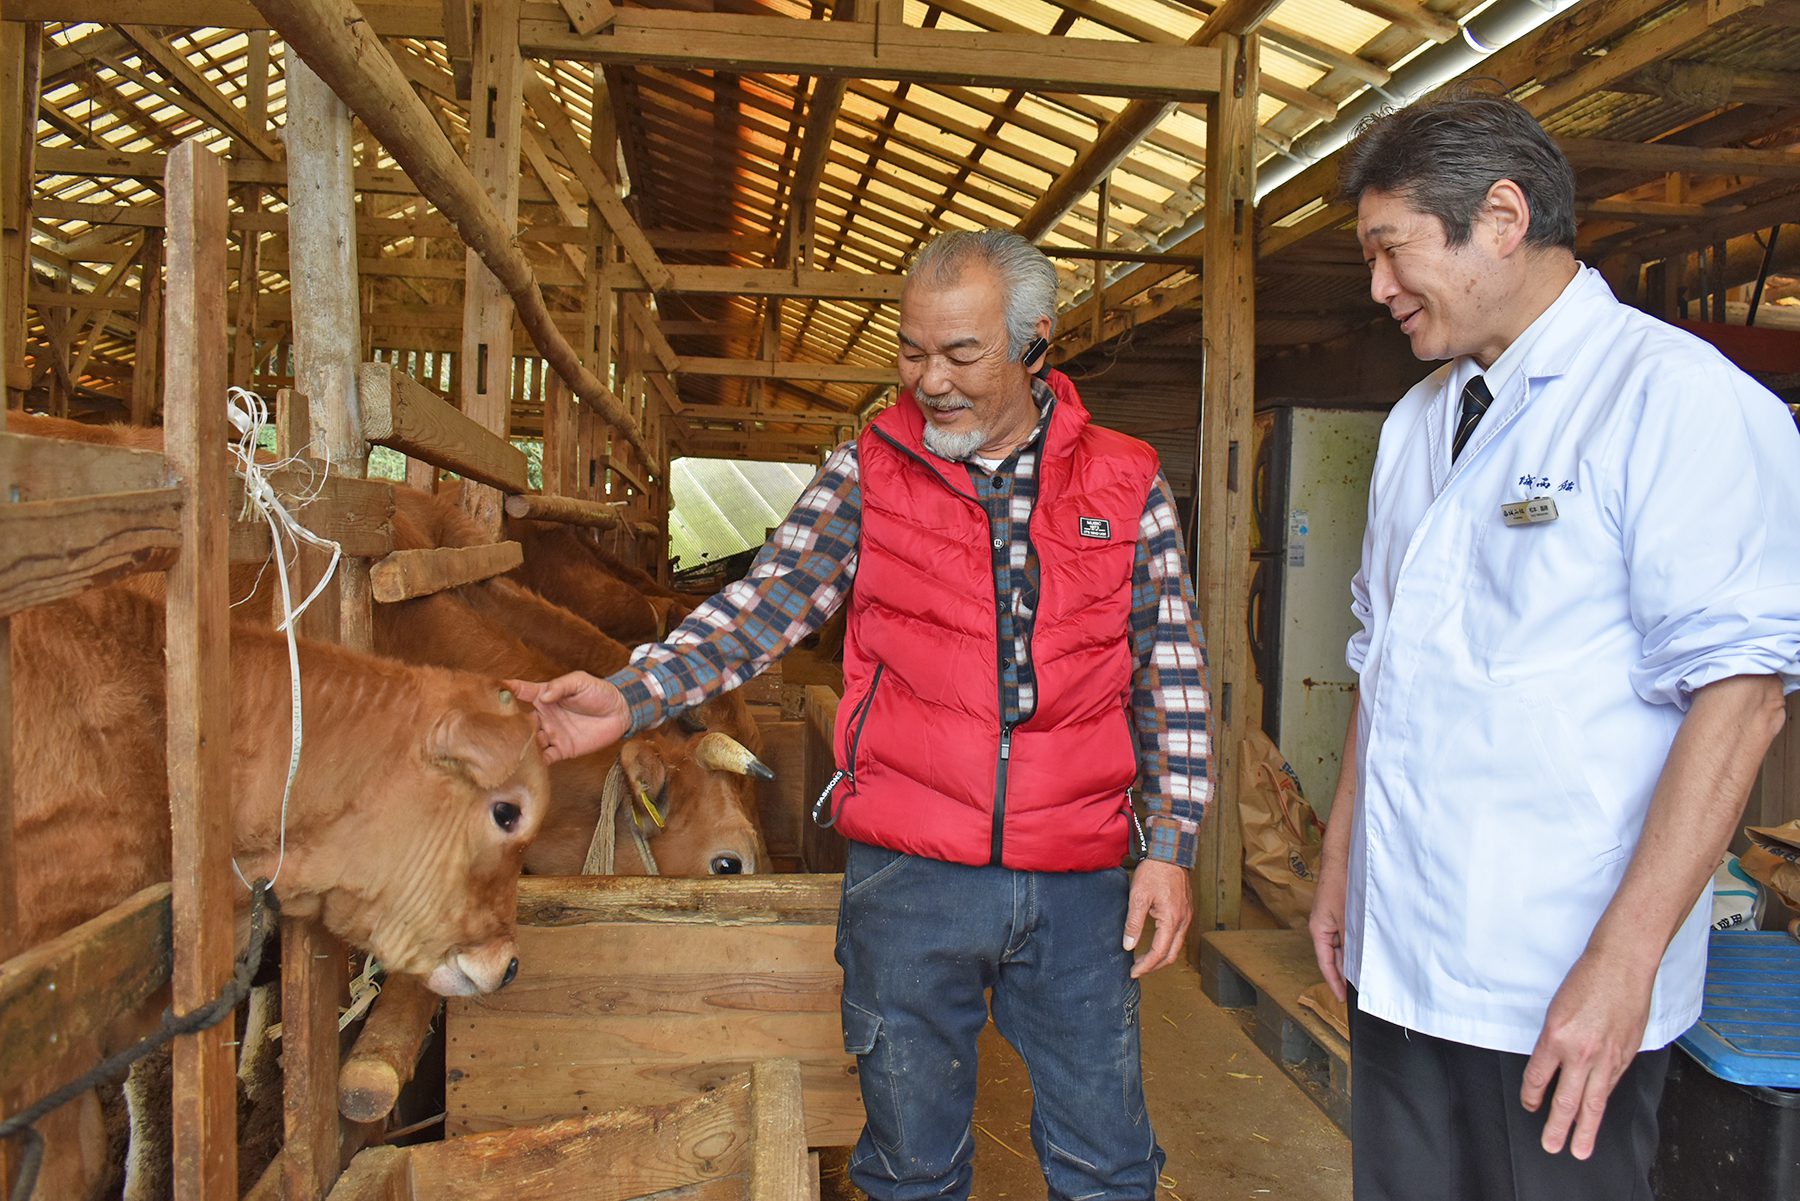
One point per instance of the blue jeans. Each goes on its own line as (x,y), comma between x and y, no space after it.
(922,944)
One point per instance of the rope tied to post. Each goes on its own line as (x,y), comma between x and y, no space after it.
(248,413)
(112,1069)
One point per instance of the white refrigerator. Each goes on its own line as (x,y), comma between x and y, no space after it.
(1311,495)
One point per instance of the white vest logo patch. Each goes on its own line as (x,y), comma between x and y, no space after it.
(1096,527)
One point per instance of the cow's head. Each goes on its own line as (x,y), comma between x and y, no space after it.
(426,860)
(700,785)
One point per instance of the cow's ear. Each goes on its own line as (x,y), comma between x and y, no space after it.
(486,747)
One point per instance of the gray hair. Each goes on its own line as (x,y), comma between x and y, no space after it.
(1443,155)
(1026,277)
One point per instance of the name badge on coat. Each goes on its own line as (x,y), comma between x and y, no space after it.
(1535,511)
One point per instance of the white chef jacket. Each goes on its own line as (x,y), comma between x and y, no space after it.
(1521,685)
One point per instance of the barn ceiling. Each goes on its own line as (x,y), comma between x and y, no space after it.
(754,168)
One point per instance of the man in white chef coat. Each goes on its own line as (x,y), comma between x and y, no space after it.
(1580,601)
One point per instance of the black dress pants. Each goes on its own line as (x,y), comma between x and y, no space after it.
(1434,1120)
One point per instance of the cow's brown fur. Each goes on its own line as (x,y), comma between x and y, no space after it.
(391,836)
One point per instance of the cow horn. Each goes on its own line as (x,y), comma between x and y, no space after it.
(722,752)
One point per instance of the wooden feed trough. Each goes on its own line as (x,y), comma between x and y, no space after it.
(645,991)
(742,1140)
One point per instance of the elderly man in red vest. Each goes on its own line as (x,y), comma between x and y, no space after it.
(1020,653)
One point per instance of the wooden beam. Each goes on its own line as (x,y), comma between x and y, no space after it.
(1414,18)
(1662,157)
(881,50)
(496,129)
(404,574)
(1224,502)
(58,548)
(401,413)
(355,513)
(73,160)
(204,1111)
(1122,134)
(335,38)
(836,373)
(705,412)
(568,510)
(602,192)
(174,66)
(802,283)
(746,242)
(81,982)
(387,1048)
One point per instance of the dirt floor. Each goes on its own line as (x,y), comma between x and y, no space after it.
(1232,1125)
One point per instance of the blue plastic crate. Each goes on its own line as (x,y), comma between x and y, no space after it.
(1749,1027)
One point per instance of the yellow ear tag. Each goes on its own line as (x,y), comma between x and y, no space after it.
(643,796)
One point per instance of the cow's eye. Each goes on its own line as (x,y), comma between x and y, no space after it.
(506,815)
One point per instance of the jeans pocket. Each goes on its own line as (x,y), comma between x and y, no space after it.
(867,866)
(877,1072)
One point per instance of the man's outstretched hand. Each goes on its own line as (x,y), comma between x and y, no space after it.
(577,714)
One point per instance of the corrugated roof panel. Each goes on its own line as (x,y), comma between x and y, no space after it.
(1330,21)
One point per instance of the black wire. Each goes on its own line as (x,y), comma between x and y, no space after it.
(115,1067)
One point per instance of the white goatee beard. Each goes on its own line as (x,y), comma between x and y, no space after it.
(954,447)
(943,443)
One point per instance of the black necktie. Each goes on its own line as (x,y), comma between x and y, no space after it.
(1475,401)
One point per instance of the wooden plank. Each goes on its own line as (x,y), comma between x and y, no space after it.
(50,549)
(882,50)
(781,803)
(802,283)
(356,514)
(604,515)
(653,336)
(645,1010)
(836,373)
(377,1174)
(400,412)
(1260,974)
(634,1151)
(778,1161)
(204,1110)
(1223,558)
(80,982)
(404,574)
(37,468)
(760,900)
(146,368)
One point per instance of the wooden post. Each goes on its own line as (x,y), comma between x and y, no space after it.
(1228,401)
(146,370)
(328,346)
(249,280)
(19,57)
(199,719)
(495,108)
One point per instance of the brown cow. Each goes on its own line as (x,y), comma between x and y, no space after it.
(418,794)
(698,781)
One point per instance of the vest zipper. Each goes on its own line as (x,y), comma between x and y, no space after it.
(822,812)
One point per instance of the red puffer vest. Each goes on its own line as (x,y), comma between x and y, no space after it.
(926,766)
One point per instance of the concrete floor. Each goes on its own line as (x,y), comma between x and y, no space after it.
(1232,1124)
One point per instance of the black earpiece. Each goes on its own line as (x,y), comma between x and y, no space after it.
(1036,349)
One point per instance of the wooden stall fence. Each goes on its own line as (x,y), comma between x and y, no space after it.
(644,990)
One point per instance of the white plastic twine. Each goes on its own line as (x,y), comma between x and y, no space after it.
(248,413)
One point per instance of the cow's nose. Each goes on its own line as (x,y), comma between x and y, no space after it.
(512,969)
(727,865)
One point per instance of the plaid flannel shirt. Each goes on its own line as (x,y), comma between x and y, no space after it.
(803,573)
